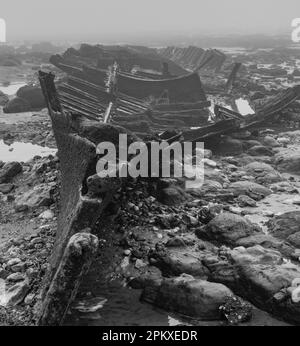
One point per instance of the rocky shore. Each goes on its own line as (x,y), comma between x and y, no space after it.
(227,247)
(216,253)
(224,253)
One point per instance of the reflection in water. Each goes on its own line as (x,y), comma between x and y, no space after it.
(23,152)
(123,308)
(11,89)
(243,107)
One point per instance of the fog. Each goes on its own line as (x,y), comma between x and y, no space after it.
(119,20)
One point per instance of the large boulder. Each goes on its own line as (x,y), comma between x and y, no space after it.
(13,295)
(251,189)
(271,142)
(33,95)
(288,162)
(262,172)
(186,295)
(3,99)
(177,262)
(172,195)
(37,197)
(230,146)
(9,171)
(17,105)
(228,228)
(264,269)
(261,276)
(286,227)
(209,186)
(260,150)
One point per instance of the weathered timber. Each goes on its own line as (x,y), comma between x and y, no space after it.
(76,260)
(84,195)
(232,76)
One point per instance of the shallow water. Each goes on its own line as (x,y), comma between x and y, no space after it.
(23,152)
(243,106)
(277,204)
(124,308)
(11,89)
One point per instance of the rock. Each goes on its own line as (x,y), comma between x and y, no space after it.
(37,197)
(246,201)
(33,95)
(15,277)
(268,242)
(90,305)
(36,240)
(227,228)
(9,171)
(175,242)
(263,172)
(268,213)
(293,200)
(236,311)
(271,142)
(286,227)
(140,264)
(288,162)
(235,210)
(209,163)
(229,146)
(209,186)
(283,140)
(176,262)
(6,188)
(3,99)
(207,154)
(251,189)
(13,262)
(186,295)
(19,267)
(16,294)
(47,215)
(283,186)
(260,150)
(260,276)
(172,196)
(215,175)
(251,143)
(17,105)
(241,134)
(29,299)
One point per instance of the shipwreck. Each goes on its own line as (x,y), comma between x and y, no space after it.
(99,98)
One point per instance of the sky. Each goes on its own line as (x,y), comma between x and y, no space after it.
(126,19)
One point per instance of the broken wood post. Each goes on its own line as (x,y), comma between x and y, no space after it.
(76,260)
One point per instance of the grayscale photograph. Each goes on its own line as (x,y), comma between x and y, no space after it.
(149,167)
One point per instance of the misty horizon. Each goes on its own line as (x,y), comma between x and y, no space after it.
(139,20)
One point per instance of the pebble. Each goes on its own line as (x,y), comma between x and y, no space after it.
(268,213)
(19,267)
(13,262)
(29,299)
(127,252)
(15,277)
(209,163)
(235,210)
(140,264)
(37,240)
(47,215)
